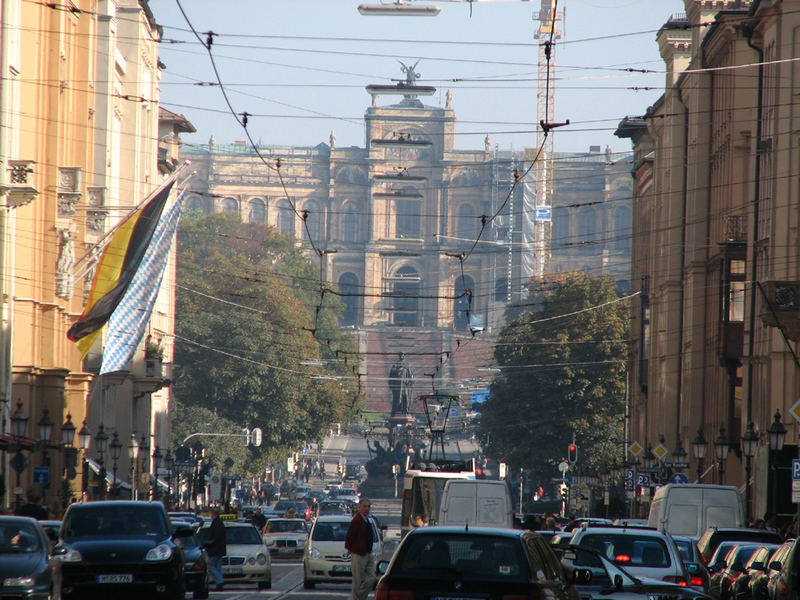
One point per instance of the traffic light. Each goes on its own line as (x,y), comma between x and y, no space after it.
(564,489)
(572,454)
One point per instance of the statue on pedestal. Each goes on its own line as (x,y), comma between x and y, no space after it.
(401,383)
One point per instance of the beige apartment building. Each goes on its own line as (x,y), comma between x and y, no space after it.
(715,248)
(79,148)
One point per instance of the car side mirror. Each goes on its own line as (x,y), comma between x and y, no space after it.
(580,576)
(59,550)
(775,565)
(617,582)
(381,567)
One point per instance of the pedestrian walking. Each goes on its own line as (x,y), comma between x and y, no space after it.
(358,542)
(258,519)
(216,549)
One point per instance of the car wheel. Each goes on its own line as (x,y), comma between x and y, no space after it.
(308,585)
(202,593)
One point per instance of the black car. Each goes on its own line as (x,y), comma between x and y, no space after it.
(723,579)
(596,577)
(761,584)
(756,565)
(195,572)
(711,538)
(699,577)
(27,569)
(114,547)
(449,562)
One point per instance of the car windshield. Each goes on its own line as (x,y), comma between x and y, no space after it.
(18,537)
(462,555)
(629,550)
(286,526)
(685,549)
(330,531)
(242,535)
(115,521)
(603,571)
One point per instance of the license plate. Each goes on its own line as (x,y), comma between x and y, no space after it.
(341,568)
(232,570)
(287,549)
(115,579)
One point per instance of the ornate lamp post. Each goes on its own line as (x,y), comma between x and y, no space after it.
(45,426)
(749,448)
(699,447)
(776,435)
(69,453)
(19,427)
(101,442)
(169,462)
(156,465)
(116,452)
(133,455)
(721,447)
(144,456)
(679,454)
(84,441)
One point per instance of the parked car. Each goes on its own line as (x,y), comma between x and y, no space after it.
(325,558)
(460,562)
(763,585)
(247,559)
(113,546)
(286,537)
(193,519)
(605,579)
(195,571)
(713,537)
(643,552)
(699,577)
(756,565)
(335,507)
(722,579)
(786,584)
(27,568)
(301,509)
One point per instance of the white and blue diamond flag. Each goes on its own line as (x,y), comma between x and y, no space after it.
(127,324)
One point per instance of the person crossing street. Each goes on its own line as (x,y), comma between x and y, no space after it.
(358,542)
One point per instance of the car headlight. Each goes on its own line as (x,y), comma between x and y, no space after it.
(270,542)
(70,555)
(251,561)
(18,581)
(314,553)
(160,552)
(261,559)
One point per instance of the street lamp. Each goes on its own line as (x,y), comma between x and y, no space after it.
(101,442)
(749,448)
(116,452)
(84,441)
(67,440)
(649,458)
(144,454)
(699,447)
(169,462)
(45,425)
(156,465)
(776,435)
(19,427)
(721,447)
(133,455)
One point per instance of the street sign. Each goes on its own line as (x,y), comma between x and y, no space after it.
(643,480)
(795,469)
(795,411)
(255,437)
(41,474)
(661,451)
(635,448)
(678,478)
(795,490)
(676,464)
(629,480)
(563,466)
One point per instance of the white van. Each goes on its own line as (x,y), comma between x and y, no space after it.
(691,508)
(477,503)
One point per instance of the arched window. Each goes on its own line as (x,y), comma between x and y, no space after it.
(408,218)
(586,230)
(229,205)
(406,303)
(461,305)
(285,218)
(257,212)
(501,289)
(350,222)
(559,237)
(622,229)
(348,284)
(313,226)
(197,203)
(466,223)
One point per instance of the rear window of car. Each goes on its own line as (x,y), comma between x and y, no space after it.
(18,538)
(685,550)
(330,531)
(630,550)
(286,526)
(115,521)
(465,556)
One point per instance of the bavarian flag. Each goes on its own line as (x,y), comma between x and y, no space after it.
(117,266)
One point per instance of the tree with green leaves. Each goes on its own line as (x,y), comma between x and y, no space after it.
(562,360)
(250,320)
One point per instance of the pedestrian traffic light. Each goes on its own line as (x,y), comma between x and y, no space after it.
(572,454)
(564,489)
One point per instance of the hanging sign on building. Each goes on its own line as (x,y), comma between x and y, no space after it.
(543,213)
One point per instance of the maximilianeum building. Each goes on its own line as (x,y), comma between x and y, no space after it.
(395,220)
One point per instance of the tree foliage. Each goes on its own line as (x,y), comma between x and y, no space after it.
(562,372)
(250,316)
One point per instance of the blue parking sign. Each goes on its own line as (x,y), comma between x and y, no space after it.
(795,469)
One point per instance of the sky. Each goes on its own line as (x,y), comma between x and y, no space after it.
(299,68)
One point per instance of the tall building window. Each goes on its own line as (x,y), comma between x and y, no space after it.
(350,222)
(229,205)
(257,212)
(405,289)
(285,218)
(197,203)
(348,284)
(408,218)
(313,221)
(461,304)
(466,223)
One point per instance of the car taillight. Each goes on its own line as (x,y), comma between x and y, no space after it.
(384,593)
(674,579)
(696,581)
(622,558)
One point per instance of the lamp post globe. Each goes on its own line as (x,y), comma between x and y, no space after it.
(776,433)
(699,448)
(721,445)
(45,425)
(84,437)
(19,421)
(750,441)
(68,432)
